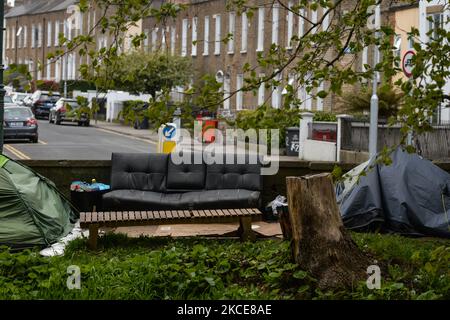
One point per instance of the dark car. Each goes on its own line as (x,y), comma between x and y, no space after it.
(42,102)
(20,123)
(68,110)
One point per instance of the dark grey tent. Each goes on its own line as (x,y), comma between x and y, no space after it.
(411,196)
(32,210)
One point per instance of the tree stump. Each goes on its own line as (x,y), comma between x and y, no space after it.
(320,243)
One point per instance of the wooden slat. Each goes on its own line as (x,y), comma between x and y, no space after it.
(119,216)
(88,216)
(168,214)
(107,217)
(217,213)
(208,213)
(187,213)
(156,214)
(174,214)
(144,215)
(82,217)
(94,217)
(196,213)
(131,216)
(150,215)
(181,214)
(238,212)
(113,216)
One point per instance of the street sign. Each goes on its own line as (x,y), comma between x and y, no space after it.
(168,136)
(169,131)
(407,64)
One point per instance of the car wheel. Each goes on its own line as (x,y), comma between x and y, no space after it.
(50,118)
(80,123)
(57,120)
(86,124)
(35,140)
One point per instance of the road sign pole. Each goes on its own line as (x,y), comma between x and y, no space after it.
(2,87)
(373,130)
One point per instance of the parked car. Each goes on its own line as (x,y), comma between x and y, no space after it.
(43,101)
(20,123)
(8,102)
(68,110)
(19,98)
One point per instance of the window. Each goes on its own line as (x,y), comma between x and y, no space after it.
(261,91)
(290,25)
(275,23)
(25,36)
(435,22)
(244,31)
(146,40)
(49,34)
(319,101)
(39,36)
(231,31)
(217,36)
(173,34)
(20,37)
(226,91)
(314,20)
(164,33)
(13,37)
(239,93)
(276,93)
(194,36)
(397,45)
(260,45)
(33,36)
(56,33)
(326,19)
(7,38)
(301,23)
(58,70)
(206,40)
(364,58)
(154,39)
(48,76)
(184,31)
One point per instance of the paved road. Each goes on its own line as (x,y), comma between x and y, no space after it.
(70,142)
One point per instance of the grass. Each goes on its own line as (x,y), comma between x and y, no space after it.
(164,268)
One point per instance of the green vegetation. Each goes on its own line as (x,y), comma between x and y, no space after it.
(164,268)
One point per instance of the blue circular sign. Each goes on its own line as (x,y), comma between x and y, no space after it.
(169,131)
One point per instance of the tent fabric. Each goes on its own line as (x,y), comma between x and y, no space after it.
(411,196)
(32,210)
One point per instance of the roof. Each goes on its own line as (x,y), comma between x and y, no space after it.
(39,7)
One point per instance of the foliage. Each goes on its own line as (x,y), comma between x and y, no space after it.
(140,72)
(390,101)
(18,76)
(81,85)
(163,268)
(45,85)
(83,108)
(132,110)
(324,116)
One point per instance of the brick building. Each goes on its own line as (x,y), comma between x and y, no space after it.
(32,31)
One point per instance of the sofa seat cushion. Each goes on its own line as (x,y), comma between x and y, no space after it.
(129,200)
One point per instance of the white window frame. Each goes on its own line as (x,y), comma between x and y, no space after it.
(194,36)
(301,22)
(7,38)
(58,70)
(13,38)
(33,35)
(290,25)
(326,19)
(226,91)
(147,35)
(232,31)
(239,93)
(49,34)
(319,101)
(184,31)
(217,33)
(173,38)
(275,23)
(206,36)
(244,32)
(155,38)
(314,17)
(276,93)
(261,91)
(48,71)
(260,36)
(40,36)
(25,36)
(57,32)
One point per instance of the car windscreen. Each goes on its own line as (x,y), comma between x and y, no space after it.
(18,113)
(52,98)
(72,104)
(8,99)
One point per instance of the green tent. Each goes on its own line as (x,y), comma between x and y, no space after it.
(32,211)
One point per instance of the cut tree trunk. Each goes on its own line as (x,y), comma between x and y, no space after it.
(320,243)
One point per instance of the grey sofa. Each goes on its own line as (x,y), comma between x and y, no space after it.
(156,182)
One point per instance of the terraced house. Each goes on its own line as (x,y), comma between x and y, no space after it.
(32,31)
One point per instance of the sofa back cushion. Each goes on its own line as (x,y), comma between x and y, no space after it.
(233,175)
(139,171)
(186,175)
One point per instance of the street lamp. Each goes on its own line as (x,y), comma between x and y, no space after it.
(2,87)
(373,129)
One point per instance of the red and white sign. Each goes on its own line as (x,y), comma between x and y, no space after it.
(407,64)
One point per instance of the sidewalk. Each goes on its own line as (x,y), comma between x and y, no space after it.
(146,134)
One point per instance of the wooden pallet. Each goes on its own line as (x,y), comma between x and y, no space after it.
(113,219)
